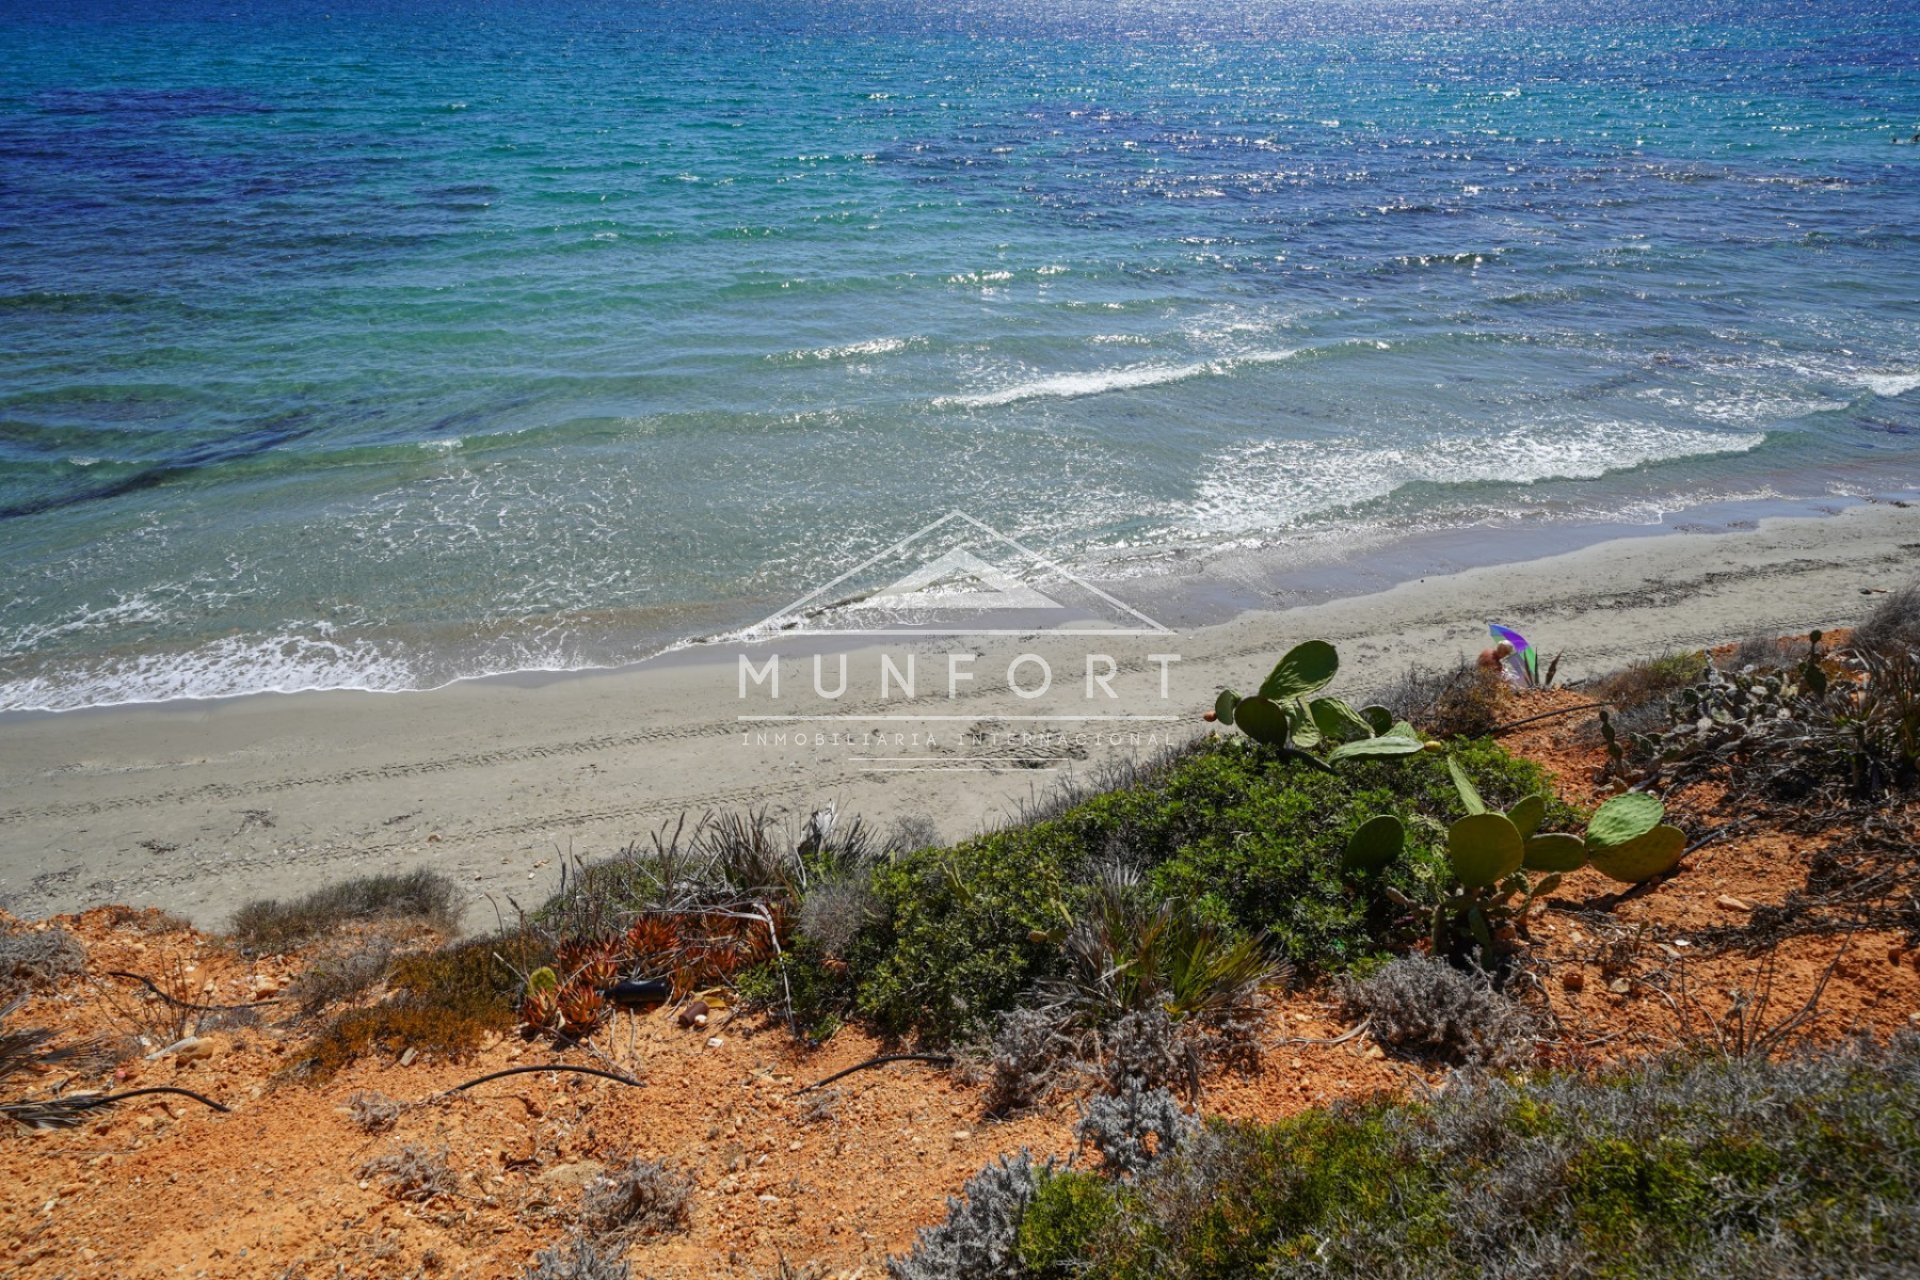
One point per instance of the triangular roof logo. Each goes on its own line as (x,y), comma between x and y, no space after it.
(956,576)
(961,579)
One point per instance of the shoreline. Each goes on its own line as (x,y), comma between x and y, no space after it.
(198,807)
(1190,588)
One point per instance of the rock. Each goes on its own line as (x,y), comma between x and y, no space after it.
(194,1049)
(576,1174)
(1376,1053)
(1619,986)
(406,1059)
(1732,903)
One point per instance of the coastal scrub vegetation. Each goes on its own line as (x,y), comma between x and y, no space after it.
(36,958)
(424,897)
(1165,901)
(1803,728)
(1224,836)
(1684,1167)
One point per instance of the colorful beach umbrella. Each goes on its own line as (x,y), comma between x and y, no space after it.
(1525,659)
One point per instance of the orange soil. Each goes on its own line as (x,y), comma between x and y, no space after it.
(163,1187)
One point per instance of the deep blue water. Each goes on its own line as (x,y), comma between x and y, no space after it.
(355,344)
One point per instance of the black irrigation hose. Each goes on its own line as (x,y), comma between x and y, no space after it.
(614,1076)
(943,1059)
(88,1101)
(178,1003)
(1548,715)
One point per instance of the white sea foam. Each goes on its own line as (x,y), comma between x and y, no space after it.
(1270,485)
(1746,406)
(1891,384)
(311,659)
(219,668)
(854,350)
(1068,386)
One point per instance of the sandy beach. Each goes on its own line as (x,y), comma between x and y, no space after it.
(198,807)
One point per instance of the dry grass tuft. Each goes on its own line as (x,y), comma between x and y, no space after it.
(269,925)
(1458,702)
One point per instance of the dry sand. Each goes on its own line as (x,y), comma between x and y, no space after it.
(197,807)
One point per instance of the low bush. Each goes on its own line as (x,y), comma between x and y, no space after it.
(962,930)
(1148,1049)
(35,958)
(1133,1128)
(1125,954)
(372,1111)
(1724,1167)
(445,1002)
(1893,624)
(980,1240)
(834,913)
(1839,728)
(269,925)
(1250,843)
(1637,694)
(343,973)
(1264,853)
(1461,701)
(578,1259)
(1070,1209)
(1429,1009)
(1030,1049)
(643,1197)
(412,1172)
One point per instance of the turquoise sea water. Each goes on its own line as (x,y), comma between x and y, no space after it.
(354,344)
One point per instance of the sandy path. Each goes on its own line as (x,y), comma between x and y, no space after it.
(199,807)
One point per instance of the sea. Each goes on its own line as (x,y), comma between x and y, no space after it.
(377,345)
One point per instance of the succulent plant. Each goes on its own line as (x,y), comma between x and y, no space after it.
(540,1008)
(1484,849)
(581,1008)
(1285,715)
(1375,845)
(1491,854)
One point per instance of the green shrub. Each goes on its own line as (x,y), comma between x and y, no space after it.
(958,939)
(820,991)
(1680,1168)
(1069,1212)
(1267,858)
(1252,842)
